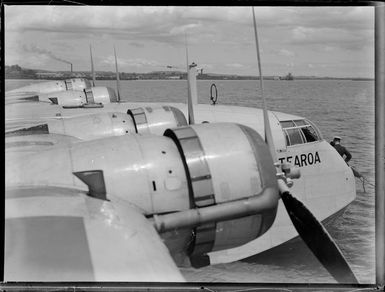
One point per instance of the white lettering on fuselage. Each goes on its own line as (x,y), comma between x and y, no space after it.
(302,160)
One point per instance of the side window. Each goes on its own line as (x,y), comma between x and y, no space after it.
(309,134)
(299,123)
(286,138)
(287,124)
(295,136)
(315,130)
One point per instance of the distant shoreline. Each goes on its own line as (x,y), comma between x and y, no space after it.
(19,73)
(213,78)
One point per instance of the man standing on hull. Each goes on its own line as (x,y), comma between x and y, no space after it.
(336,143)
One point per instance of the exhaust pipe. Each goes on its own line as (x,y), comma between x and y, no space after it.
(221,212)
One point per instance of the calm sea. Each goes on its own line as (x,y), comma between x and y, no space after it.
(343,108)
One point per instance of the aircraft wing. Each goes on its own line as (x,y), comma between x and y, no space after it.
(62,234)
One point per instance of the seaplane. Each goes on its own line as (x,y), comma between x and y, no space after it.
(164,186)
(73,92)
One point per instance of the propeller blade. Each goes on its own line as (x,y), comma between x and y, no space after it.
(318,240)
(308,227)
(92,68)
(117,76)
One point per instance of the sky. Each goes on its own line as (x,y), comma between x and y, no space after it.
(311,41)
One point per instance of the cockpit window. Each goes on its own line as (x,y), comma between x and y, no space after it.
(295,136)
(300,123)
(299,132)
(287,124)
(309,134)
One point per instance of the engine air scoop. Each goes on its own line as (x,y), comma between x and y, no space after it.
(94,179)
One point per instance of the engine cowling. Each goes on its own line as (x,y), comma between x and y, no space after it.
(93,126)
(54,86)
(152,120)
(207,187)
(86,127)
(100,94)
(79,98)
(72,98)
(223,167)
(77,84)
(156,119)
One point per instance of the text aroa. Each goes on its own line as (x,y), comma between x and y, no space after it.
(302,159)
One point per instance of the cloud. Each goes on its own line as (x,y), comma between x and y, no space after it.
(136,44)
(286,53)
(235,65)
(206,66)
(329,38)
(136,62)
(302,33)
(33,49)
(62,45)
(183,29)
(167,25)
(349,18)
(216,35)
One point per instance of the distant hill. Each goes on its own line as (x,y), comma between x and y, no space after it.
(17,72)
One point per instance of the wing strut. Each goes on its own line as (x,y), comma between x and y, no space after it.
(308,227)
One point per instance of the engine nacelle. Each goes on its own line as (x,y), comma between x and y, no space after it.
(87,127)
(100,94)
(152,120)
(78,98)
(72,98)
(93,126)
(225,168)
(53,86)
(77,84)
(156,119)
(214,185)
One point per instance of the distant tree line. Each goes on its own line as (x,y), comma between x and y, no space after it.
(16,72)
